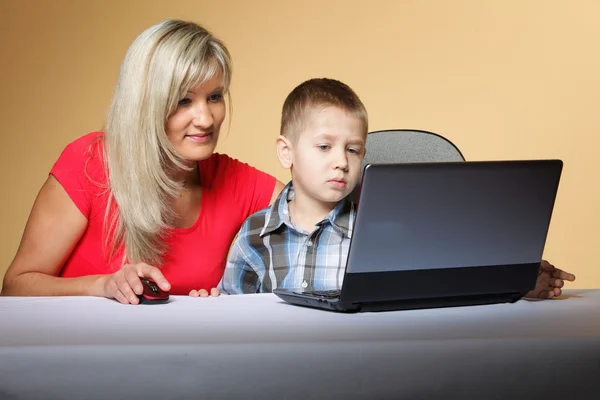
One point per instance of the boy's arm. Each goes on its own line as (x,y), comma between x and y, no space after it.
(549,282)
(240,275)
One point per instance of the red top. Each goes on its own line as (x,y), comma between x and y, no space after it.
(231,191)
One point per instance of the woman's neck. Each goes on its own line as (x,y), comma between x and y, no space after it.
(187,178)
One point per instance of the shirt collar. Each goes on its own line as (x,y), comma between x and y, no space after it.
(341,217)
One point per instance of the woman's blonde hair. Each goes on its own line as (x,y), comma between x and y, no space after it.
(161,65)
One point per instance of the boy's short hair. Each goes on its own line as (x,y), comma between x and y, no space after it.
(315,94)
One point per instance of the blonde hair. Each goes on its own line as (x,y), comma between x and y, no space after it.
(160,66)
(315,94)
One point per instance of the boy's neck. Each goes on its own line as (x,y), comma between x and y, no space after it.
(306,212)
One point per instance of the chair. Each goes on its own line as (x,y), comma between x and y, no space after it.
(406,145)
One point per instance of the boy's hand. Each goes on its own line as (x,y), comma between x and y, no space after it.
(214,292)
(549,282)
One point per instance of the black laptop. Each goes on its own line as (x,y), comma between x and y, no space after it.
(443,234)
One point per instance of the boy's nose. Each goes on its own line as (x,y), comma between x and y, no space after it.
(341,161)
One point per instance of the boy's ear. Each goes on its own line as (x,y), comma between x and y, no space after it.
(284,152)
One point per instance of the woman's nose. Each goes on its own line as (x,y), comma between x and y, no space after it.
(202,116)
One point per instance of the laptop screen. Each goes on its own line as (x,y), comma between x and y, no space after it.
(452,215)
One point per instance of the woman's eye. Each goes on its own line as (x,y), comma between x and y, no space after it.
(184,102)
(216,97)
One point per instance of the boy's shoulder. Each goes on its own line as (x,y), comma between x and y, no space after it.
(254,224)
(260,223)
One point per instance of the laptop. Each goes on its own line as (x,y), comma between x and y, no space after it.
(443,234)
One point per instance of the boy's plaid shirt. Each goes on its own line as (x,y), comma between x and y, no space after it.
(269,252)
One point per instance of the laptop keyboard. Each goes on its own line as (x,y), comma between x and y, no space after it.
(330,294)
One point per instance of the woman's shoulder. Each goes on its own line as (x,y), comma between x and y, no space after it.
(84,155)
(86,148)
(220,165)
(86,142)
(220,160)
(90,142)
(249,188)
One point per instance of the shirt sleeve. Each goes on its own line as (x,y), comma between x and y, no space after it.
(75,170)
(241,274)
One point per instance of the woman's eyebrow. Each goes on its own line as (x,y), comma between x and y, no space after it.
(217,89)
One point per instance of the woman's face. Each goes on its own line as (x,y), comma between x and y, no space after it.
(193,129)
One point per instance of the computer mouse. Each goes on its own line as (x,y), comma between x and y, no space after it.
(152,294)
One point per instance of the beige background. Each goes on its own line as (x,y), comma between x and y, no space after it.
(503,79)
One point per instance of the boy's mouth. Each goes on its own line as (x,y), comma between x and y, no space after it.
(337,183)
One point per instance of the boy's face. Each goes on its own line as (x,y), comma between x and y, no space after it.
(327,155)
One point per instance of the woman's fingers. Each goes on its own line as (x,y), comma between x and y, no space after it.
(214,292)
(148,271)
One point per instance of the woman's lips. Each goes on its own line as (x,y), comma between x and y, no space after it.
(200,138)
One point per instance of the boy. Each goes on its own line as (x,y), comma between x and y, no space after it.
(302,239)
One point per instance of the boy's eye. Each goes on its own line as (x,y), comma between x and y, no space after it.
(323,147)
(215,97)
(355,150)
(184,102)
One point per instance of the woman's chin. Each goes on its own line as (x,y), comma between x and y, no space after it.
(197,153)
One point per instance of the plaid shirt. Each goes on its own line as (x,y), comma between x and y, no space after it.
(269,252)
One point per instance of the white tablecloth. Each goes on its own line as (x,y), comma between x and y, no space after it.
(258,347)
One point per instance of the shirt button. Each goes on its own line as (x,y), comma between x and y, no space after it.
(309,243)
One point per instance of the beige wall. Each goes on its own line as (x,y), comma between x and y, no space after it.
(502,79)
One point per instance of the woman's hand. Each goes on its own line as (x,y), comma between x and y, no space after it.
(214,292)
(125,285)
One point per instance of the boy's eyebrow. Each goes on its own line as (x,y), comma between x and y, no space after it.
(357,141)
(333,138)
(326,136)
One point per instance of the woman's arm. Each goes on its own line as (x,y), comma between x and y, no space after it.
(54,227)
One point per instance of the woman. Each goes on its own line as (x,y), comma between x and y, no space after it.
(147,193)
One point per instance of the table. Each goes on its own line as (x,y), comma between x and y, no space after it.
(258,347)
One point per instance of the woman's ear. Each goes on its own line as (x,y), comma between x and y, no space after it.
(284,152)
